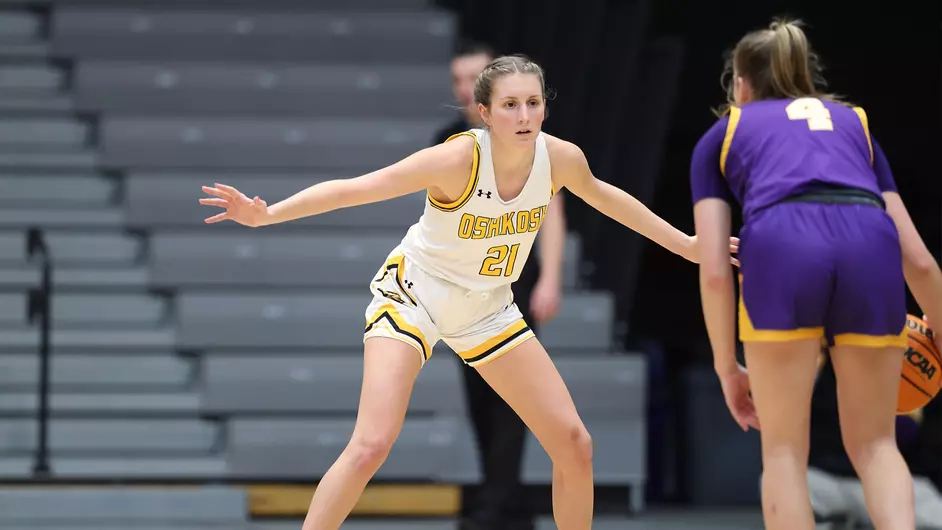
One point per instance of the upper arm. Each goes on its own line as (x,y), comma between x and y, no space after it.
(881,166)
(706,178)
(571,170)
(419,171)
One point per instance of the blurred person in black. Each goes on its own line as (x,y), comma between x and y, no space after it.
(836,493)
(500,502)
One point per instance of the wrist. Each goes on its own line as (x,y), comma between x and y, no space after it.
(726,366)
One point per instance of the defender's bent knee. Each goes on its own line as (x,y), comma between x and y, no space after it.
(576,450)
(369,453)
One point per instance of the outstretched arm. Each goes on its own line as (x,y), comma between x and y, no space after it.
(575,175)
(419,171)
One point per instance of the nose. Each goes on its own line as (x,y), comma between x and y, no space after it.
(524,115)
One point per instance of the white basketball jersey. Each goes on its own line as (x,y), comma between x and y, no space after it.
(480,241)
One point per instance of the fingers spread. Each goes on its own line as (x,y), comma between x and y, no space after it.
(218,217)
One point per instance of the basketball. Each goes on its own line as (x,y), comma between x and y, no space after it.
(921,377)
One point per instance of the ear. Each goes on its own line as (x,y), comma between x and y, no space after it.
(485,114)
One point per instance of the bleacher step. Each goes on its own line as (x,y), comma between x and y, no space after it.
(37,76)
(91,339)
(23,102)
(19,25)
(73,159)
(60,217)
(103,404)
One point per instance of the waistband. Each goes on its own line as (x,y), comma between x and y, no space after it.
(839,196)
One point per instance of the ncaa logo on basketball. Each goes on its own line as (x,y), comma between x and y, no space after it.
(917,361)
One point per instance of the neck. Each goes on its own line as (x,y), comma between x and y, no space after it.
(473,118)
(511,157)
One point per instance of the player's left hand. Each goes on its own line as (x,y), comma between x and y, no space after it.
(736,391)
(694,254)
(935,335)
(544,300)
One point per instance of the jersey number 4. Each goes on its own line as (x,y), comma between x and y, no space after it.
(500,260)
(813,111)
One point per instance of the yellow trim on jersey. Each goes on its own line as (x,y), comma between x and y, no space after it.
(749,333)
(388,317)
(472,180)
(734,114)
(866,127)
(498,345)
(552,189)
(872,341)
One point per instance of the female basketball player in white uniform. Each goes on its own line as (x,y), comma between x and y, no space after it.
(449,279)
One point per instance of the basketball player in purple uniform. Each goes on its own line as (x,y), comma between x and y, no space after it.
(824,247)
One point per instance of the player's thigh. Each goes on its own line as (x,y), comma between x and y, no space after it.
(867,391)
(528,381)
(781,378)
(390,368)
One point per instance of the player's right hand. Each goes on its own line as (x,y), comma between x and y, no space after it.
(239,208)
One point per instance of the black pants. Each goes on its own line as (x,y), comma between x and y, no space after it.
(500,502)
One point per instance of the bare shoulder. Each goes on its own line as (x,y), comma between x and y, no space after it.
(567,160)
(449,165)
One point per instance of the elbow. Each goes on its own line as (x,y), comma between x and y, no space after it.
(716,278)
(920,265)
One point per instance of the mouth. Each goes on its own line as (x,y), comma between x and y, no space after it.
(523,132)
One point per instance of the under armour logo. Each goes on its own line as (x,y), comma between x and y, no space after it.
(482,193)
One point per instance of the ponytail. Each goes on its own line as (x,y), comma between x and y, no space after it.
(778,62)
(789,61)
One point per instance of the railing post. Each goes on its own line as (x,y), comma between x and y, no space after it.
(40,307)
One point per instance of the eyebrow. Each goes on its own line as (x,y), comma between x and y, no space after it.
(515,97)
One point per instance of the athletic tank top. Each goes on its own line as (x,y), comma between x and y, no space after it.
(479,241)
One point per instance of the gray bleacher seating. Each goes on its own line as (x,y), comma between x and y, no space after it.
(75,248)
(35,78)
(62,189)
(347,91)
(43,132)
(107,437)
(81,258)
(609,393)
(58,217)
(313,383)
(439,448)
(141,466)
(98,372)
(249,34)
(246,142)
(134,507)
(169,199)
(259,259)
(316,319)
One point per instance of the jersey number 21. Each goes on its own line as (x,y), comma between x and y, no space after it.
(813,111)
(500,260)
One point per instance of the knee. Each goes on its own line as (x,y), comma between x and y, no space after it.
(576,449)
(860,449)
(369,452)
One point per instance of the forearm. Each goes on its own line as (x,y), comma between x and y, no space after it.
(925,282)
(718,298)
(317,199)
(632,213)
(552,246)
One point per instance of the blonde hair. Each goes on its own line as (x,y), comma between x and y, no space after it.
(501,67)
(779,64)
